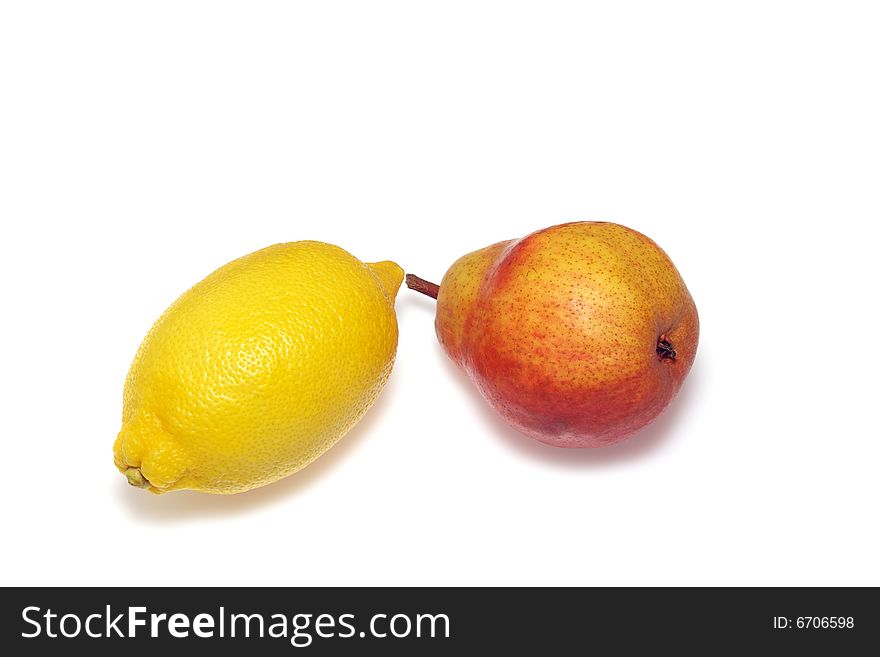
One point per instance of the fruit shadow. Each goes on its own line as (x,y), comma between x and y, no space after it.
(638,446)
(181,506)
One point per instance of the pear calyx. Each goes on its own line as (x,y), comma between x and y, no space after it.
(665,350)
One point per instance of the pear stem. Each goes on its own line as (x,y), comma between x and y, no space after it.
(421,285)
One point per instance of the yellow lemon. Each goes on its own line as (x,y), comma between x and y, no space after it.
(258,369)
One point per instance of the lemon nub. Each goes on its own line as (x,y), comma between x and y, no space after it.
(136,479)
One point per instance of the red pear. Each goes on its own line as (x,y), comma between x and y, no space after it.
(578,335)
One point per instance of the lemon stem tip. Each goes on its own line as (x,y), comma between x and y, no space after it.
(136,479)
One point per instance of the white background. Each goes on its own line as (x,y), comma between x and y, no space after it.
(143,145)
